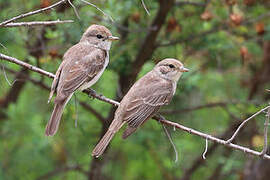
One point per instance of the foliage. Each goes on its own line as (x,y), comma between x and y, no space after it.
(221,71)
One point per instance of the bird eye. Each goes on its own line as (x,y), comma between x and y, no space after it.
(171,66)
(99,36)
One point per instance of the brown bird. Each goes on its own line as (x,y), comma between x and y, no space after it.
(143,100)
(81,67)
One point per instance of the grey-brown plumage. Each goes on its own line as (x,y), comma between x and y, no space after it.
(143,100)
(81,67)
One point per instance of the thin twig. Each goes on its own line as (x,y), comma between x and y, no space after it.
(171,141)
(209,137)
(6,78)
(38,23)
(206,148)
(243,123)
(145,8)
(76,110)
(32,13)
(75,10)
(26,65)
(159,118)
(94,94)
(91,4)
(266,124)
(46,87)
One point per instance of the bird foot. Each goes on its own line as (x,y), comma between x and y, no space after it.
(91,92)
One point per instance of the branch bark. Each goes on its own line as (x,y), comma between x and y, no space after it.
(38,23)
(159,118)
(32,13)
(25,77)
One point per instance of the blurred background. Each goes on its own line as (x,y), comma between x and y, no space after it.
(225,44)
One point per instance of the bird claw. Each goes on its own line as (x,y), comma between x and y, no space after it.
(91,93)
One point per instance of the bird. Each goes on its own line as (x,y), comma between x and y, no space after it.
(82,66)
(143,100)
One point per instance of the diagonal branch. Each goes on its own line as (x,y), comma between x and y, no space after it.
(266,124)
(159,118)
(244,122)
(32,13)
(209,137)
(26,65)
(38,23)
(46,87)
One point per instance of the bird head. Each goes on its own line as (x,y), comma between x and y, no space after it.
(170,69)
(99,36)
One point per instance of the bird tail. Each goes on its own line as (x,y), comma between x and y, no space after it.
(104,142)
(53,124)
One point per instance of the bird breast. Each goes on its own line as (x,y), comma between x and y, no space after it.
(96,78)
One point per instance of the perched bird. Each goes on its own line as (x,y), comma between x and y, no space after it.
(81,67)
(143,100)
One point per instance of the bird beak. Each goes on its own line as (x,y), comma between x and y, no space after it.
(183,69)
(113,38)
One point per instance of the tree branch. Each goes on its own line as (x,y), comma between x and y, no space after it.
(32,13)
(266,124)
(37,23)
(26,65)
(244,122)
(159,118)
(209,137)
(44,86)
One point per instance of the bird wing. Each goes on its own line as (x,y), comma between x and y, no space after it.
(55,82)
(149,97)
(80,70)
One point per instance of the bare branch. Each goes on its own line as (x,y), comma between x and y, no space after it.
(145,8)
(75,10)
(159,118)
(32,13)
(26,65)
(38,23)
(171,141)
(91,4)
(76,110)
(266,124)
(6,77)
(206,148)
(46,87)
(93,93)
(26,77)
(243,123)
(209,137)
